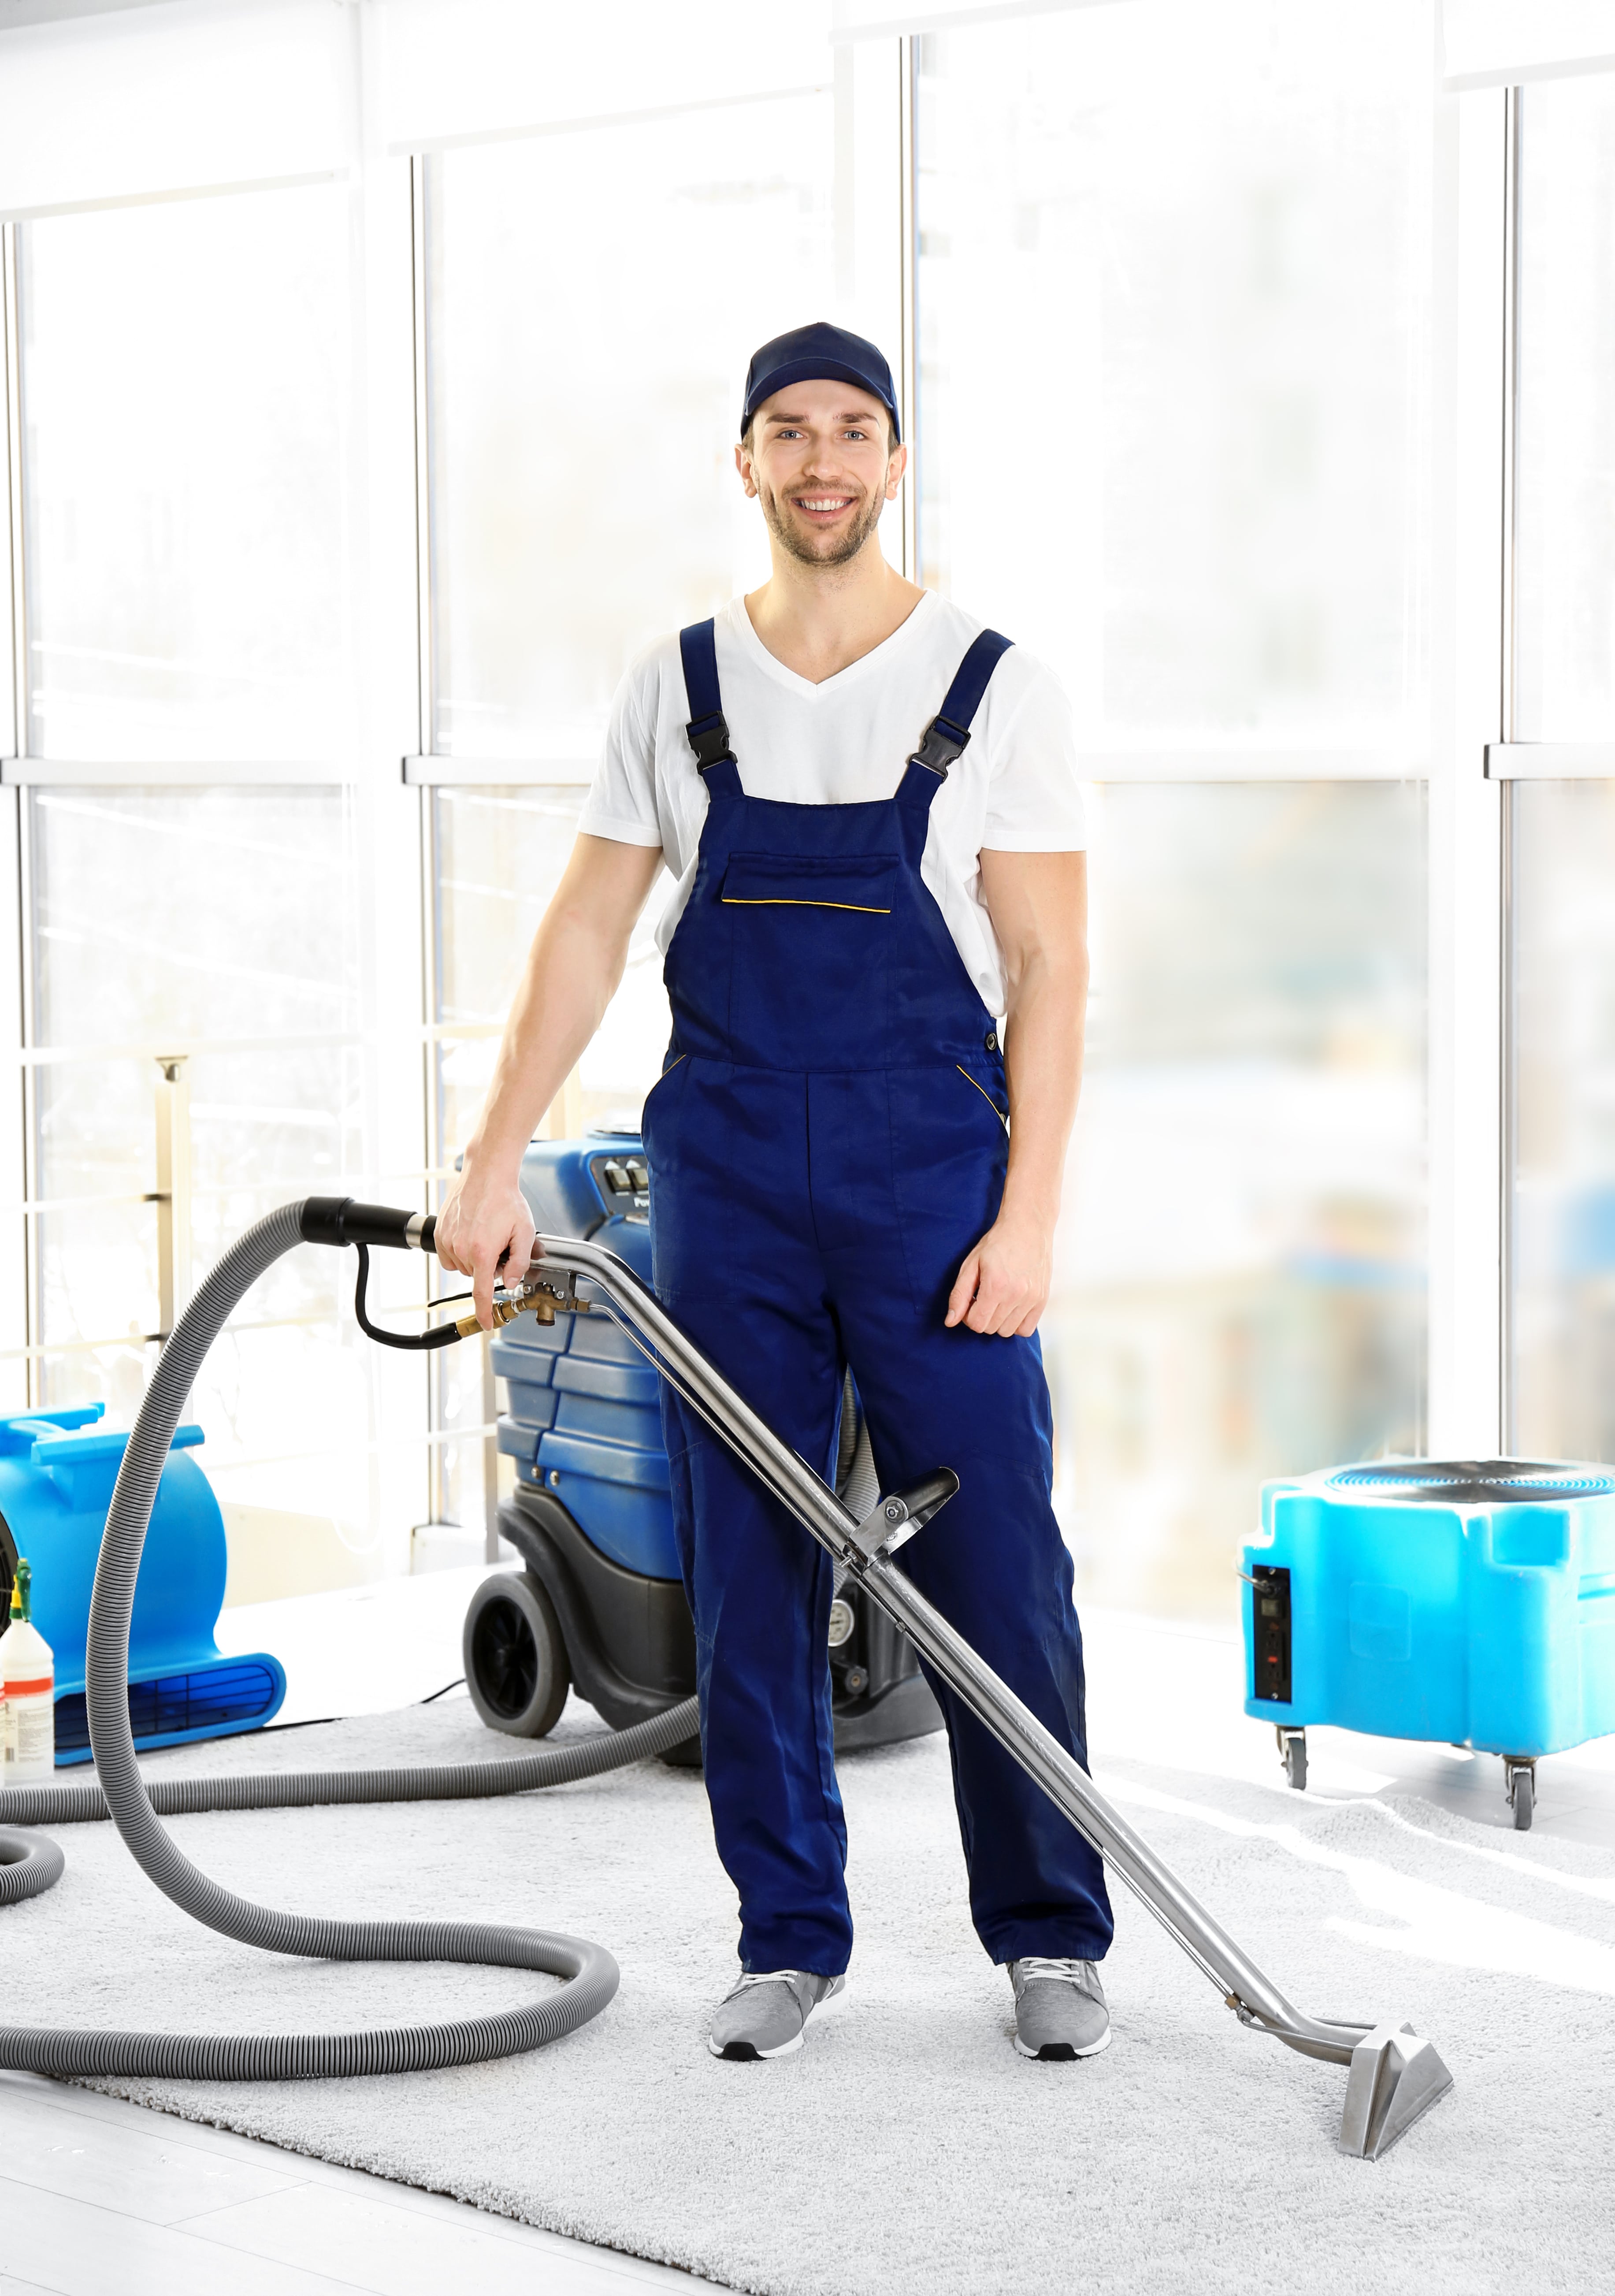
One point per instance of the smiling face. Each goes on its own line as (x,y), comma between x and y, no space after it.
(817,458)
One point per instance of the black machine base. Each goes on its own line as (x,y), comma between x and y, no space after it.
(630,1641)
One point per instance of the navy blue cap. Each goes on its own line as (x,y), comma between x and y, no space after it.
(814,353)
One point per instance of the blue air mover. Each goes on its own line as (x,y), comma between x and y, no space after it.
(601,1603)
(1469,1602)
(57,1470)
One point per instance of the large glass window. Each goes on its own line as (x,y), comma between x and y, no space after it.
(1564,642)
(1564,1102)
(1175,336)
(183,391)
(199,1007)
(594,299)
(1240,1290)
(218,926)
(1174,326)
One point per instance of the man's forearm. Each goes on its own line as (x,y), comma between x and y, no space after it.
(1043,1048)
(1039,904)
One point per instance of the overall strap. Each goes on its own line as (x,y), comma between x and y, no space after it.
(708,730)
(947,735)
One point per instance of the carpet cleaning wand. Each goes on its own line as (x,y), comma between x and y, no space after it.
(1394,2076)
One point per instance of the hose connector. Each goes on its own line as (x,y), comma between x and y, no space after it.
(532,1298)
(339,1221)
(505,1311)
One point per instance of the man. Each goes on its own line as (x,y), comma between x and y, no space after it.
(870,806)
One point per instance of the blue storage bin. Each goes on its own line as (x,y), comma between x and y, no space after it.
(583,1419)
(1462,1603)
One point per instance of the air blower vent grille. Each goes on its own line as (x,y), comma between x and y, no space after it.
(1473,1482)
(213,1699)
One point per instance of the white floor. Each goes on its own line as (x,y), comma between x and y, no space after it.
(99,2196)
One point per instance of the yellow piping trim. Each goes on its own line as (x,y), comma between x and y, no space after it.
(671,1066)
(787,901)
(986,1096)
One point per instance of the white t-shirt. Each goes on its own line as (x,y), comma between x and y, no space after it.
(1014,789)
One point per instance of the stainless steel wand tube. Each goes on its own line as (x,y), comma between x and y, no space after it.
(1252,1995)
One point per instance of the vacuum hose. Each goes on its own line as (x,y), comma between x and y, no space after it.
(29,1865)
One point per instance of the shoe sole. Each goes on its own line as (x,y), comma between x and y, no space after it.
(1061,2052)
(747,2053)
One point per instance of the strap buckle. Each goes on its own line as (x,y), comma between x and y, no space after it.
(943,744)
(709,737)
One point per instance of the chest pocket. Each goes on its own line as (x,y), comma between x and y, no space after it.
(860,884)
(810,947)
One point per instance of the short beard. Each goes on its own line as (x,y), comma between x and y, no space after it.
(847,548)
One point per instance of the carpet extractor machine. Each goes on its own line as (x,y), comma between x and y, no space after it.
(601,1603)
(1393,2075)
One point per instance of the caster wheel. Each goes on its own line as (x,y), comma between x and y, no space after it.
(515,1656)
(1522,1794)
(1295,1760)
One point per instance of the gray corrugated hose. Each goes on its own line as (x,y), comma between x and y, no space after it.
(30,1865)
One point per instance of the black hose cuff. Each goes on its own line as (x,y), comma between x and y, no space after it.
(338,1220)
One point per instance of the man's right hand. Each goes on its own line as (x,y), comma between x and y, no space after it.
(485,1230)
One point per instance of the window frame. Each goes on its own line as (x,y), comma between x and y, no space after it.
(1473,764)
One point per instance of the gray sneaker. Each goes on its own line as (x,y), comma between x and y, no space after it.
(1060,2012)
(764,2016)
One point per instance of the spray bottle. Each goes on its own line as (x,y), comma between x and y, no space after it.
(29,1672)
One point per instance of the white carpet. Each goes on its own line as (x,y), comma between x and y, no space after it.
(907,2148)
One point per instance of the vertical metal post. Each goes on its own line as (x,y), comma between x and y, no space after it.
(1465,817)
(431,919)
(431,950)
(1508,718)
(22,1112)
(490,1455)
(420,244)
(173,1192)
(908,384)
(11,267)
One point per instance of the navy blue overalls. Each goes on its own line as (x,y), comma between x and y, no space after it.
(826,1143)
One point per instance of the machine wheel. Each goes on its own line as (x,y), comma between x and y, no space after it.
(1295,1759)
(1522,1794)
(515,1659)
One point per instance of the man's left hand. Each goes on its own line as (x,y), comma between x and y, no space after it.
(1003,1284)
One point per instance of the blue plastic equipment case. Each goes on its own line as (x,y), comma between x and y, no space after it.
(584,1416)
(57,1469)
(1467,1602)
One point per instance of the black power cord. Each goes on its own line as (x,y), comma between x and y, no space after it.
(443,1336)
